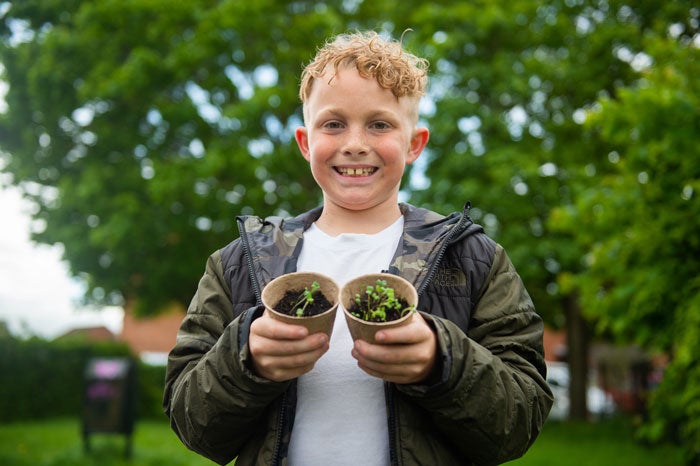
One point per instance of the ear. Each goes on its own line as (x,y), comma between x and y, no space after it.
(301,134)
(418,142)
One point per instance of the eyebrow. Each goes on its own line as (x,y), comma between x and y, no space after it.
(337,112)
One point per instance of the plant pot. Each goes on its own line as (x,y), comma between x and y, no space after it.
(297,282)
(363,329)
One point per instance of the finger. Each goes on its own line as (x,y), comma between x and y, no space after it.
(293,361)
(397,363)
(263,346)
(404,373)
(415,331)
(276,364)
(277,374)
(392,355)
(273,329)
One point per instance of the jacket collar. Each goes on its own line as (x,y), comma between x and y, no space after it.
(274,243)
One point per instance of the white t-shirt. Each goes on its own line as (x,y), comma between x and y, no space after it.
(341,414)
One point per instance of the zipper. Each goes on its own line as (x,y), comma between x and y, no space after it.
(249,260)
(280,425)
(443,248)
(393,457)
(256,289)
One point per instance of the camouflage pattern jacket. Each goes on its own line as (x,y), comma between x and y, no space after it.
(486,406)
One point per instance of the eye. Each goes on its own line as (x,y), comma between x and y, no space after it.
(333,124)
(380,125)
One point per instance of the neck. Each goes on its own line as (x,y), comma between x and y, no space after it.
(337,220)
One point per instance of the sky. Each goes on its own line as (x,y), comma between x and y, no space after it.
(37,295)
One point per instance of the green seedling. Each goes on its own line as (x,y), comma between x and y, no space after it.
(305,298)
(379,300)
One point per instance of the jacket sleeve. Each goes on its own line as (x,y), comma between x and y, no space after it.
(492,399)
(213,400)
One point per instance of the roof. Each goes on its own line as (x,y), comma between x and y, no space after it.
(99,333)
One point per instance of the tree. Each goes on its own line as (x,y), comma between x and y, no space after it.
(141,128)
(642,214)
(513,82)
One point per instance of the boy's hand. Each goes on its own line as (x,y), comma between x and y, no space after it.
(282,351)
(402,355)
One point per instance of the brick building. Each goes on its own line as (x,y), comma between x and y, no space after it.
(152,337)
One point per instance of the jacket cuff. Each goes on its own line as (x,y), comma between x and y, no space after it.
(245,361)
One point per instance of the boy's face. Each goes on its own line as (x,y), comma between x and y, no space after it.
(358,139)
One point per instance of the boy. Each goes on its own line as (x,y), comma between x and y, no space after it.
(463,383)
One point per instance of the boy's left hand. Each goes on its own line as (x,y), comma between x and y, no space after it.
(401,355)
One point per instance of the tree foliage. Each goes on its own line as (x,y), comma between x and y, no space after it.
(514,83)
(142,127)
(514,80)
(642,215)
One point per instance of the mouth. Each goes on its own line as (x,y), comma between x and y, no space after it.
(356,172)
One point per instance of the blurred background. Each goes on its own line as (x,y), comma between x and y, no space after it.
(133,132)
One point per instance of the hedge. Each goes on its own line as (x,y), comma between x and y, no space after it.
(42,379)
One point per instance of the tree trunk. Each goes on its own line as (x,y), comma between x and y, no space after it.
(577,358)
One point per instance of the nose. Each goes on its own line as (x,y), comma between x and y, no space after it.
(355,142)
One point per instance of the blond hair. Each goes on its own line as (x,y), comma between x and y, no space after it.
(374,56)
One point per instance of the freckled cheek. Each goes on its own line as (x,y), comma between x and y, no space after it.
(393,152)
(320,152)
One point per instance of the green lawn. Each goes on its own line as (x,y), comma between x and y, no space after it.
(58,443)
(606,443)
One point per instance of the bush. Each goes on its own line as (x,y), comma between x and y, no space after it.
(43,379)
(151,383)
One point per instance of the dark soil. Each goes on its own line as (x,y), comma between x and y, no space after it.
(392,314)
(291,297)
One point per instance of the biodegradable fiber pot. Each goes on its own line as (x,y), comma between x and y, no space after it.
(298,281)
(365,330)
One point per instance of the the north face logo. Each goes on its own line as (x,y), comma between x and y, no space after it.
(450,277)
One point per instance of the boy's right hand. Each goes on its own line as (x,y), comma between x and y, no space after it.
(283,351)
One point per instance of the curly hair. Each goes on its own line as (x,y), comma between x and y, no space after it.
(374,56)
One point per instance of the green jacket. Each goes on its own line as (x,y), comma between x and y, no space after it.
(486,405)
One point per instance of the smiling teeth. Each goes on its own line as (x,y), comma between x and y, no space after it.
(356,171)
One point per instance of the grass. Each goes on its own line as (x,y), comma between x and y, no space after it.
(57,442)
(606,443)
